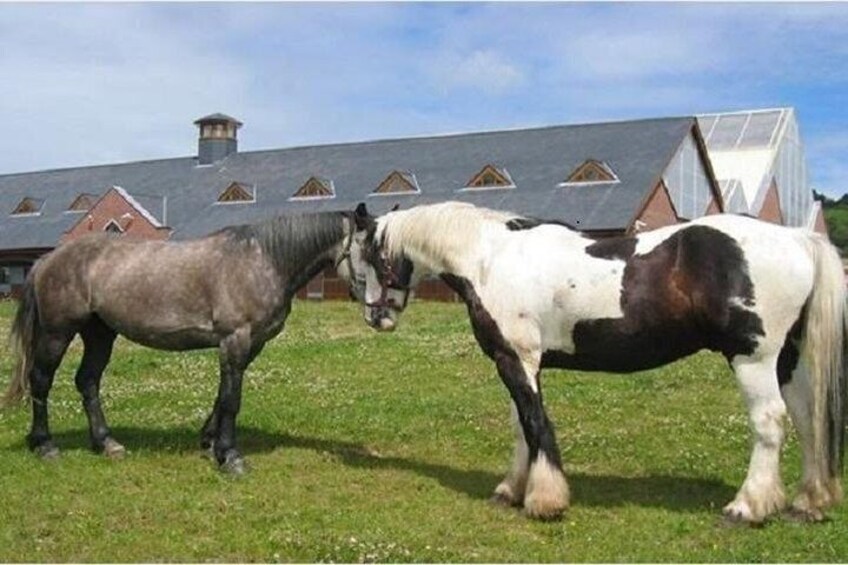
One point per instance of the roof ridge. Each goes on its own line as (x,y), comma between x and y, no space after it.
(422,137)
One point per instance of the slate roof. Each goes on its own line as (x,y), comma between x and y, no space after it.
(182,194)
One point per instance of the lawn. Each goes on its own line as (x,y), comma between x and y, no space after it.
(386,447)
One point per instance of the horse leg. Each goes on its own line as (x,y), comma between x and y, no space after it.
(761,493)
(97,340)
(209,431)
(546,495)
(235,353)
(49,350)
(510,492)
(818,490)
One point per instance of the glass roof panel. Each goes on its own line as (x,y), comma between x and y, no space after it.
(760,129)
(727,131)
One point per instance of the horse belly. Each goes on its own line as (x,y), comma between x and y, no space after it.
(613,345)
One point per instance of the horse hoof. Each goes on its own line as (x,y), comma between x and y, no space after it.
(46,451)
(234,465)
(113,450)
(736,520)
(501,499)
(807,516)
(550,516)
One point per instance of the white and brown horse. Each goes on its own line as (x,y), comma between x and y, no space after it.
(771,299)
(231,290)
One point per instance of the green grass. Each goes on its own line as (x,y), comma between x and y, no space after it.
(385,447)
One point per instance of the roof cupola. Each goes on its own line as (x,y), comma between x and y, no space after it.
(218,138)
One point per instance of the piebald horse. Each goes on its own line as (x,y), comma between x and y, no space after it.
(231,290)
(539,294)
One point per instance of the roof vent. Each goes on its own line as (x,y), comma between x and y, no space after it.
(217,138)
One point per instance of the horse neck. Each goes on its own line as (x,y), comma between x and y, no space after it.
(301,247)
(432,256)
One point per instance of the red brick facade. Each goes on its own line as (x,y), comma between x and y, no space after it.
(658,212)
(114,207)
(770,211)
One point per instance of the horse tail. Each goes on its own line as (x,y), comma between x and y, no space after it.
(824,350)
(22,341)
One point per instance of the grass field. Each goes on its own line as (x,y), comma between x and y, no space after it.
(386,447)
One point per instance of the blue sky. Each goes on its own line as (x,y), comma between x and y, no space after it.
(99,83)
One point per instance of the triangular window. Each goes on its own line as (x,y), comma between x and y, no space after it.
(28,206)
(315,187)
(490,177)
(398,183)
(591,171)
(113,227)
(236,192)
(82,203)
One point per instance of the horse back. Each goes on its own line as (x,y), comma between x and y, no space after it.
(173,295)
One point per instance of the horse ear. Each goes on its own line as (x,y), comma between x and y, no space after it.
(361,216)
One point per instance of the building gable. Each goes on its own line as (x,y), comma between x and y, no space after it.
(118,212)
(771,210)
(658,211)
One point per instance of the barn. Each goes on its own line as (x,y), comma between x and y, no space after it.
(603,178)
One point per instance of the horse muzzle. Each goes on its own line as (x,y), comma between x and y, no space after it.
(380,319)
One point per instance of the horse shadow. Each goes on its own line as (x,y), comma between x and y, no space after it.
(675,493)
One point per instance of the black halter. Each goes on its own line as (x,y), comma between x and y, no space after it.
(389,280)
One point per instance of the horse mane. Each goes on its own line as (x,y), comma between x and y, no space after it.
(440,231)
(292,242)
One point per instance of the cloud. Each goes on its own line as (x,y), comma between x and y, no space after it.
(94,83)
(486,71)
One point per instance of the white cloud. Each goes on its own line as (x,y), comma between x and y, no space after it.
(484,71)
(93,83)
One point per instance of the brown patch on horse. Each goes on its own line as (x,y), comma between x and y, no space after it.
(682,296)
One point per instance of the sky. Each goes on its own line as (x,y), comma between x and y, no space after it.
(86,84)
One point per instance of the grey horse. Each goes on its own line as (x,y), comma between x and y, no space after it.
(232,290)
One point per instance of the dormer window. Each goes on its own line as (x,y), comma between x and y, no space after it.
(398,182)
(591,172)
(237,193)
(28,207)
(113,227)
(82,203)
(315,188)
(490,177)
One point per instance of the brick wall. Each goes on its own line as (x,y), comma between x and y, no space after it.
(658,212)
(770,212)
(113,207)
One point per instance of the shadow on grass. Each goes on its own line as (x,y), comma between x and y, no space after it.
(677,493)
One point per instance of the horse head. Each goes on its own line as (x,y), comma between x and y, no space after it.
(385,282)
